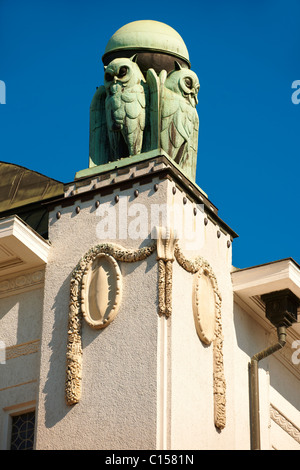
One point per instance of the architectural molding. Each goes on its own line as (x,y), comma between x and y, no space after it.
(22,282)
(18,385)
(204,306)
(290,428)
(23,349)
(166,241)
(251,283)
(101,291)
(21,248)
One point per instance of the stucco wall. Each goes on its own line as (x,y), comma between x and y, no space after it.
(118,406)
(278,386)
(147,381)
(20,326)
(191,361)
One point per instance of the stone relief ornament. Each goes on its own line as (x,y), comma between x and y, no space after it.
(79,308)
(204,306)
(209,328)
(285,424)
(166,240)
(101,291)
(95,295)
(133,113)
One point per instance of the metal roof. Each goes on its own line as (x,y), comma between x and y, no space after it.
(23,191)
(20,186)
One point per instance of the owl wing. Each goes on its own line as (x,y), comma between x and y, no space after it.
(115,109)
(98,134)
(152,91)
(135,103)
(173,132)
(135,117)
(188,159)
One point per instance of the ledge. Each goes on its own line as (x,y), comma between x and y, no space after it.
(140,169)
(21,248)
(250,284)
(130,161)
(270,277)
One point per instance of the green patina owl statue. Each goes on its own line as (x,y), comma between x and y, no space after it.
(148,99)
(179,118)
(125,106)
(132,113)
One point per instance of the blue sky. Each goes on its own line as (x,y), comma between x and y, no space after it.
(246,54)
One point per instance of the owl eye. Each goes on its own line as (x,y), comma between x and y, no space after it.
(188,82)
(122,72)
(108,77)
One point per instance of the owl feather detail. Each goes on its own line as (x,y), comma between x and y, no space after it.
(125,106)
(179,118)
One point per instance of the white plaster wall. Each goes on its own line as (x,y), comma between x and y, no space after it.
(278,386)
(192,401)
(20,323)
(284,396)
(250,339)
(21,317)
(147,381)
(118,408)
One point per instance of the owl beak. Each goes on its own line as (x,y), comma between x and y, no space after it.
(193,98)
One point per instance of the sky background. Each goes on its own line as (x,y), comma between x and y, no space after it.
(246,55)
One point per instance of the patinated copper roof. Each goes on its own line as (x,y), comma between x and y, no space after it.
(23,191)
(20,186)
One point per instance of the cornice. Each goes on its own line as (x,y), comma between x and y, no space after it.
(119,178)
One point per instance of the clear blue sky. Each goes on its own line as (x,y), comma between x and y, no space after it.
(246,54)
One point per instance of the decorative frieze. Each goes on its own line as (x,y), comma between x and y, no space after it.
(98,269)
(285,423)
(22,283)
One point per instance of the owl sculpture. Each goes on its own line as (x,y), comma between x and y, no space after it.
(124,107)
(179,118)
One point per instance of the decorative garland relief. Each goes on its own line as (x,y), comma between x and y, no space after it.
(99,270)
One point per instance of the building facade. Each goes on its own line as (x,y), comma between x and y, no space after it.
(124,324)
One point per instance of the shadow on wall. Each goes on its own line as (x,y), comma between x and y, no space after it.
(54,389)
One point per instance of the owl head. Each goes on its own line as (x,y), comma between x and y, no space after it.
(184,82)
(122,72)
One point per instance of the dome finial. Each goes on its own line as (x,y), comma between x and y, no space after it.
(156,44)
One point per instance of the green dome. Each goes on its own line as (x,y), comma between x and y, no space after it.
(149,37)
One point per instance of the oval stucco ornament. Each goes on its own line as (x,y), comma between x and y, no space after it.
(101,291)
(204,307)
